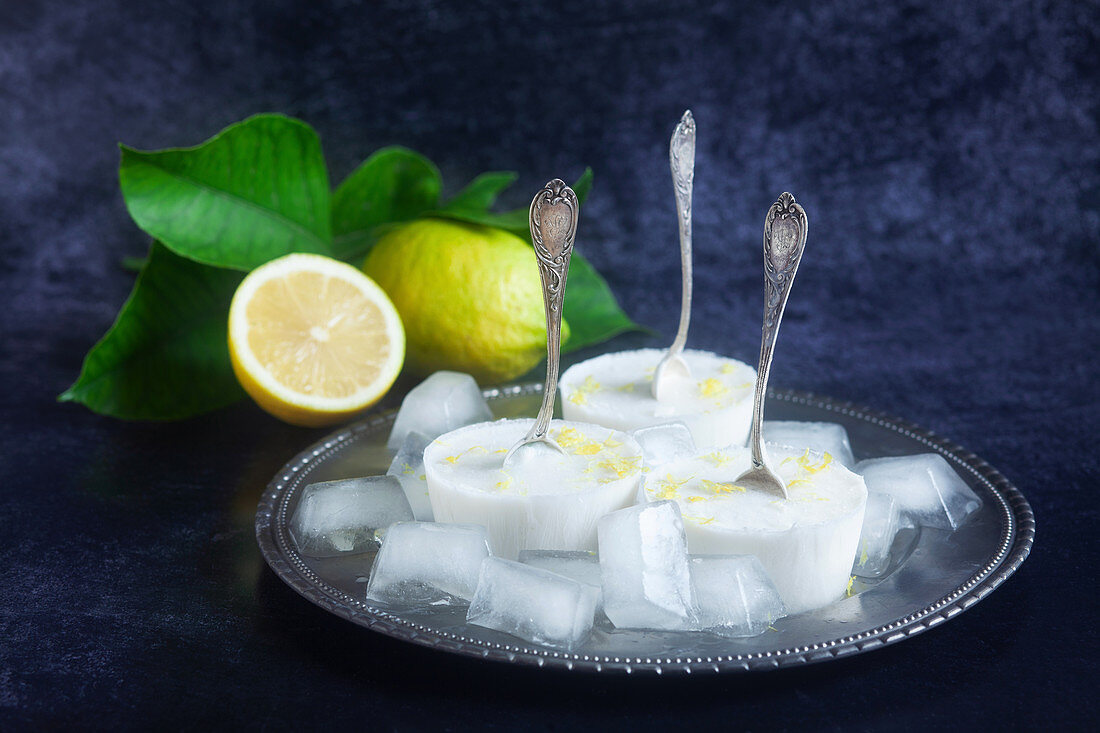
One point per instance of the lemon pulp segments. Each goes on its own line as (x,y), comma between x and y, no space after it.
(314,340)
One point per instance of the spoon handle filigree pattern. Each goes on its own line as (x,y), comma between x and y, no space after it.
(784,241)
(553,221)
(681,158)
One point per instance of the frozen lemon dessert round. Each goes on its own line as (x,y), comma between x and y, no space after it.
(540,500)
(616,390)
(807,543)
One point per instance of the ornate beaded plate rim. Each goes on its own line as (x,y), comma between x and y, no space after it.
(1017,536)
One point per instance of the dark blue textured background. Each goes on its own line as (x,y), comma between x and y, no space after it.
(948,155)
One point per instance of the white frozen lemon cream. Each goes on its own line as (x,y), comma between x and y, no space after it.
(616,390)
(543,500)
(807,543)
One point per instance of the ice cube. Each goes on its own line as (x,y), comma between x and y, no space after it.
(664,443)
(644,566)
(425,562)
(880,525)
(925,486)
(532,603)
(439,404)
(341,517)
(408,468)
(583,567)
(822,437)
(734,594)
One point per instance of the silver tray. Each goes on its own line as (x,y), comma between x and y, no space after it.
(933,575)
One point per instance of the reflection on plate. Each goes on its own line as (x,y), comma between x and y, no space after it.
(933,576)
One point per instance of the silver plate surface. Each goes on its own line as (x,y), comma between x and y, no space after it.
(933,577)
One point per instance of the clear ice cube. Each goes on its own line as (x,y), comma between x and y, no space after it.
(881,522)
(665,443)
(408,468)
(534,604)
(821,437)
(439,404)
(427,563)
(924,486)
(342,517)
(644,566)
(583,567)
(734,595)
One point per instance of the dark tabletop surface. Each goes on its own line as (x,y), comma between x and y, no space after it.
(948,155)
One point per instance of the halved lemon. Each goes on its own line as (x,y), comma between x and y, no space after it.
(314,341)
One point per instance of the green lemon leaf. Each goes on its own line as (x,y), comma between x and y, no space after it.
(393,185)
(515,221)
(481,193)
(590,307)
(133,264)
(166,356)
(583,185)
(255,191)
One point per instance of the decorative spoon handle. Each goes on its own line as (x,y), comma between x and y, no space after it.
(784,241)
(553,223)
(681,159)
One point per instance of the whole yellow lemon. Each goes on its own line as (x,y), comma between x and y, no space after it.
(469,296)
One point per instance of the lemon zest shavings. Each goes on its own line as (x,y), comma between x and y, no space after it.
(806,469)
(472,449)
(620,466)
(694,499)
(848,591)
(568,437)
(713,388)
(505,484)
(407,469)
(721,488)
(628,387)
(580,394)
(728,368)
(669,487)
(697,519)
(807,465)
(718,458)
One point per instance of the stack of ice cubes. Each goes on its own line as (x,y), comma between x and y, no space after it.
(643,577)
(820,437)
(441,403)
(345,517)
(734,595)
(924,486)
(423,563)
(644,567)
(532,603)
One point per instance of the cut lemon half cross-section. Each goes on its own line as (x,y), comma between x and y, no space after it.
(314,341)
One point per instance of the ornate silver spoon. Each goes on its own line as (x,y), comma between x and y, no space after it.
(553,221)
(784,240)
(681,159)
